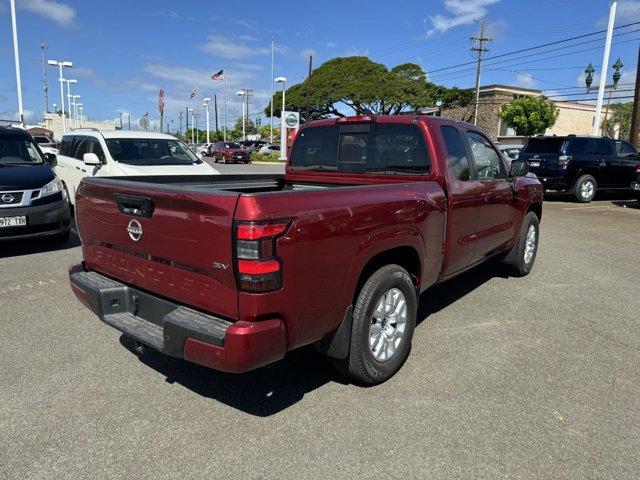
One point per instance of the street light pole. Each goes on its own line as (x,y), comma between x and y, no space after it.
(77,107)
(191,110)
(205,104)
(81,114)
(605,67)
(43,46)
(61,64)
(243,94)
(283,125)
(16,56)
(70,81)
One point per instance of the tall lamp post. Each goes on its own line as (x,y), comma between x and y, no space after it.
(191,111)
(69,81)
(243,94)
(80,110)
(605,65)
(75,109)
(16,56)
(60,64)
(588,80)
(205,104)
(283,126)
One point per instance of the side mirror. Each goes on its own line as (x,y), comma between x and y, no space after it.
(519,168)
(91,159)
(51,159)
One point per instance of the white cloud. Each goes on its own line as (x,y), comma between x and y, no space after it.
(461,12)
(525,80)
(308,51)
(627,11)
(61,13)
(329,44)
(226,48)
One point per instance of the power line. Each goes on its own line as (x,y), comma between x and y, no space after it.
(536,47)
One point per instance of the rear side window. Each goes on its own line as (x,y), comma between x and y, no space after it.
(65,146)
(580,146)
(96,148)
(362,148)
(603,147)
(456,153)
(625,149)
(544,145)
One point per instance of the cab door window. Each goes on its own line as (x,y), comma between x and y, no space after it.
(625,149)
(95,147)
(487,160)
(80,147)
(457,159)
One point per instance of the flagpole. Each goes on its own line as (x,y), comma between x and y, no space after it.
(272,82)
(224,76)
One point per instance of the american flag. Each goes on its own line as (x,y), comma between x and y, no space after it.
(218,76)
(194,92)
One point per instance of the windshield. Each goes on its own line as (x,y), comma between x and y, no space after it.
(232,145)
(150,151)
(544,145)
(361,148)
(18,151)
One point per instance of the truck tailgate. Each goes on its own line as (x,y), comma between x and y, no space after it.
(171,242)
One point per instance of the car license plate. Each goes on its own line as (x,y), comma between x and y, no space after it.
(535,164)
(6,222)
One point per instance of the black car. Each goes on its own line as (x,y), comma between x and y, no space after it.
(581,165)
(635,185)
(33,201)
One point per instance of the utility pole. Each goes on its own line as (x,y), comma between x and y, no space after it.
(215,109)
(180,130)
(478,49)
(120,120)
(16,56)
(271,102)
(43,46)
(605,67)
(309,88)
(635,116)
(129,121)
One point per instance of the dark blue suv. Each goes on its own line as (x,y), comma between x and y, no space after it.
(581,165)
(33,201)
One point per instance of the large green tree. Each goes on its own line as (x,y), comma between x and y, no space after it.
(250,126)
(529,116)
(363,86)
(619,115)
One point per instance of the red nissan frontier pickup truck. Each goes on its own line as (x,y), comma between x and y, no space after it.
(233,271)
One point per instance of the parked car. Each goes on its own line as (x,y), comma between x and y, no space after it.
(371,212)
(511,152)
(227,152)
(109,153)
(267,149)
(635,185)
(581,165)
(202,149)
(47,144)
(251,145)
(33,202)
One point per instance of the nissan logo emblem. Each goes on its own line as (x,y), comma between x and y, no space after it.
(135,230)
(7,198)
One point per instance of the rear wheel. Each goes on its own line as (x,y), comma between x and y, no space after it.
(382,327)
(585,189)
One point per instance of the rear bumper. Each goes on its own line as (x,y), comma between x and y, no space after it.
(179,331)
(42,220)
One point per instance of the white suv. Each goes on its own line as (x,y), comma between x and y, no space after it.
(116,153)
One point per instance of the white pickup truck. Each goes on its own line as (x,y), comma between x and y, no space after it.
(108,153)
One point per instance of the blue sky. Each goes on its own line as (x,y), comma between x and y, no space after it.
(124,51)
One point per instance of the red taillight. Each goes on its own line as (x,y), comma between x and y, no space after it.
(356,119)
(258,268)
(256,231)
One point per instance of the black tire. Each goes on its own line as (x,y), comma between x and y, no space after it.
(361,365)
(580,191)
(517,258)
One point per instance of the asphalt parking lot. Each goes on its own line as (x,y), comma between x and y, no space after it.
(534,377)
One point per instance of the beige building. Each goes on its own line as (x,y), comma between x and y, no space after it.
(53,122)
(576,118)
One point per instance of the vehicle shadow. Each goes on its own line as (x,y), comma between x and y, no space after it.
(439,297)
(262,392)
(610,195)
(273,388)
(16,248)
